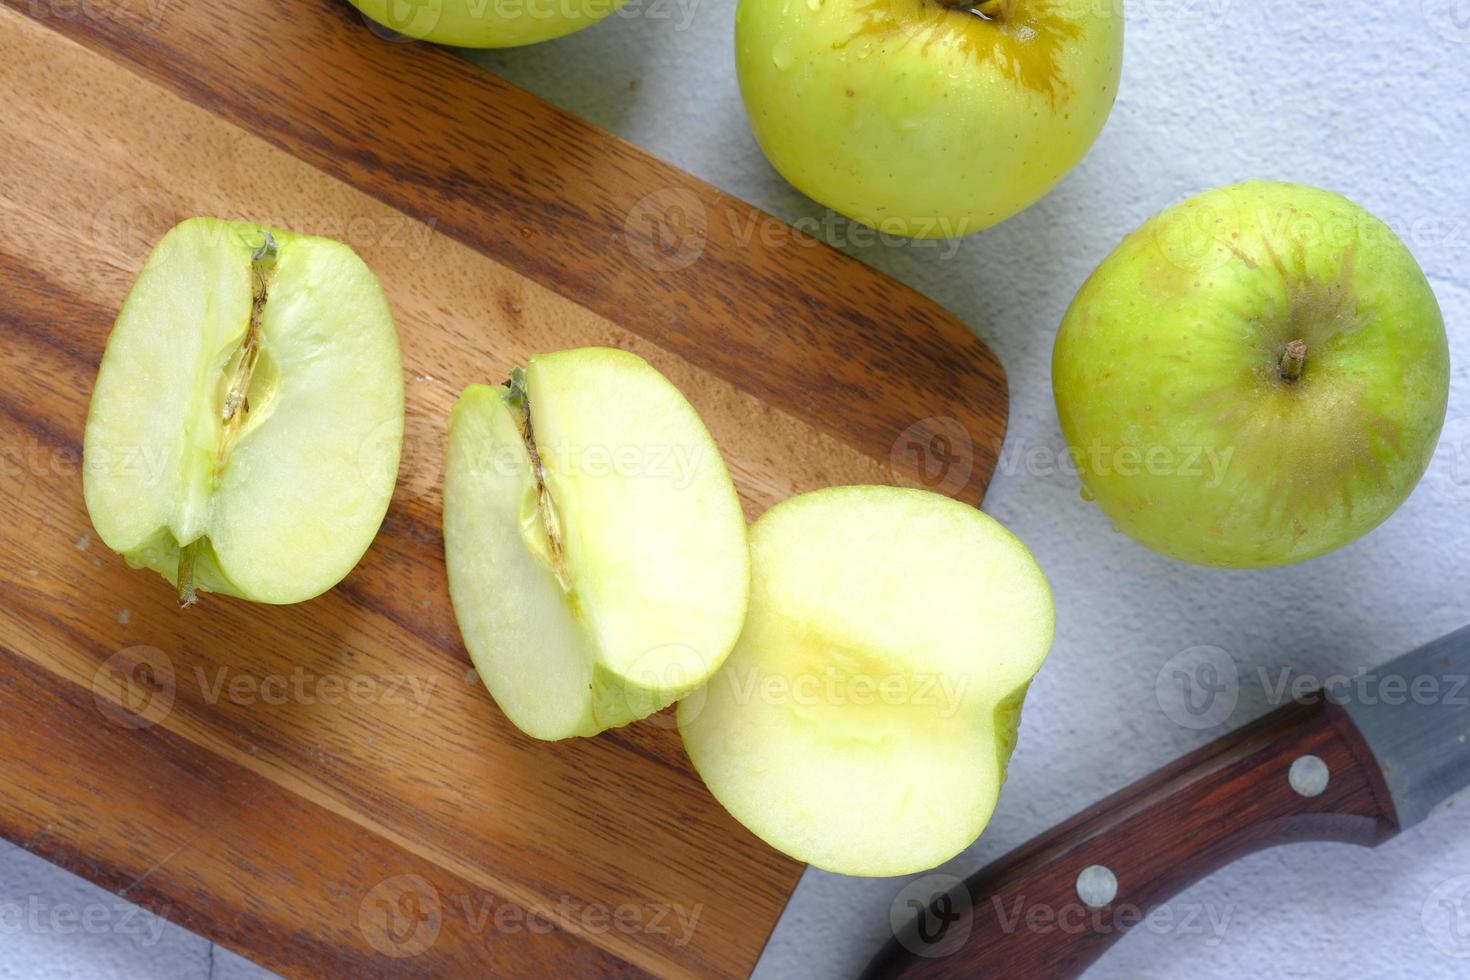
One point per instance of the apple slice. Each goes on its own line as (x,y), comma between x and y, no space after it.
(245,427)
(864,721)
(597,555)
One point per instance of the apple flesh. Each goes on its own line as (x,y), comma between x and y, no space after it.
(865,719)
(1255,377)
(596,549)
(245,427)
(924,119)
(486,23)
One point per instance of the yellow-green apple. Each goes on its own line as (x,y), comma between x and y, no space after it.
(597,552)
(246,423)
(486,23)
(1255,377)
(866,717)
(923,117)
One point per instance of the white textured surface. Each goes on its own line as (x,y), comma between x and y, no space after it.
(1371,99)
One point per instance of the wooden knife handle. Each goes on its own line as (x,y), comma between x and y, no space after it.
(1235,796)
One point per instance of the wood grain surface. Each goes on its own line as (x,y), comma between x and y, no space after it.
(1022,916)
(327,788)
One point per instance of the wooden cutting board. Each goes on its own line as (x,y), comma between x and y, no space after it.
(327,788)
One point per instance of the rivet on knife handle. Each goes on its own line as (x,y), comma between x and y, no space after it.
(1302,772)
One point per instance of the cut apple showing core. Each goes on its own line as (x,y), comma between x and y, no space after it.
(865,718)
(596,549)
(246,423)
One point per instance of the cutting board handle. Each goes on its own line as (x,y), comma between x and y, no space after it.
(1028,914)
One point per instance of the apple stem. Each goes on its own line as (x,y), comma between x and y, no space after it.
(1294,360)
(187,594)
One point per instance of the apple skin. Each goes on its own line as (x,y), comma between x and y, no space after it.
(486,23)
(921,120)
(1168,380)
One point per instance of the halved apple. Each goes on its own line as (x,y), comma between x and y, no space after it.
(597,552)
(865,719)
(245,427)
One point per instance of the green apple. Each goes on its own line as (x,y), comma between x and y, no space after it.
(925,118)
(1255,377)
(486,23)
(245,427)
(865,719)
(597,551)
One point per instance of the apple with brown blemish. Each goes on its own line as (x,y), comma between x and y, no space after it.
(927,118)
(1255,377)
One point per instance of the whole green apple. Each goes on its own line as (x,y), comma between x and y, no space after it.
(922,118)
(1255,377)
(486,23)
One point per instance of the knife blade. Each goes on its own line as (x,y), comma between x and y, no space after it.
(1416,719)
(1356,763)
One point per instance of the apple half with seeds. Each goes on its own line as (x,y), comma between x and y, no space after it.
(865,719)
(596,549)
(244,431)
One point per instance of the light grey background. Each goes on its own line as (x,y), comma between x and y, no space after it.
(1368,98)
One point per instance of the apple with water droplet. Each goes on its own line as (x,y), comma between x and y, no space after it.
(927,118)
(1255,377)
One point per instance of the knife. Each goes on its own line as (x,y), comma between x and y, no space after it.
(1355,766)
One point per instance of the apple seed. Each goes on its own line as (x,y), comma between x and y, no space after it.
(517,397)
